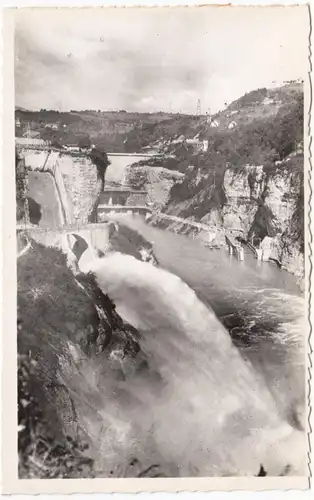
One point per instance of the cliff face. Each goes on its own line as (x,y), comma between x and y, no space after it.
(157,181)
(82,337)
(268,206)
(252,175)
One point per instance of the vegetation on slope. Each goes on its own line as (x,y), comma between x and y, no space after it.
(51,310)
(20,187)
(56,310)
(41,455)
(262,141)
(100,159)
(105,129)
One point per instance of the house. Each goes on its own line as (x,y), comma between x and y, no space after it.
(71,147)
(232,125)
(52,126)
(194,142)
(214,124)
(205,146)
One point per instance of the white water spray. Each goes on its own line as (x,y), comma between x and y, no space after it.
(208,411)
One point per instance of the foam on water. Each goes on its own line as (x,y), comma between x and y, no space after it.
(200,406)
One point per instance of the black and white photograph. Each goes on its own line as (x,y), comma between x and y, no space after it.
(161,166)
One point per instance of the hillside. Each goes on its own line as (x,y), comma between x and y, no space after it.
(251,176)
(67,328)
(113,131)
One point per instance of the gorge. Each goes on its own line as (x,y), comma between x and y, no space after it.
(126,347)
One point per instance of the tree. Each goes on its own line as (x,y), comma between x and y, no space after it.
(84,142)
(100,159)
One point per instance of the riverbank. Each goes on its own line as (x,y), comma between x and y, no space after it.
(214,238)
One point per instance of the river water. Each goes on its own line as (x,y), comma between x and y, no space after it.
(225,383)
(257,302)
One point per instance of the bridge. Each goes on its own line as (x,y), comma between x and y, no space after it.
(97,236)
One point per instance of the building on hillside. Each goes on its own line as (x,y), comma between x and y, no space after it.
(199,144)
(193,142)
(205,146)
(214,124)
(232,125)
(18,123)
(71,148)
(179,140)
(52,126)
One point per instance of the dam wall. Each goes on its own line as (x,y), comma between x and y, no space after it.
(76,180)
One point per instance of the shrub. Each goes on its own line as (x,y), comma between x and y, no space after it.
(20,186)
(40,454)
(84,142)
(100,159)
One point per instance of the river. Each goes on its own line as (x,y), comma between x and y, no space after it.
(261,305)
(223,388)
(209,403)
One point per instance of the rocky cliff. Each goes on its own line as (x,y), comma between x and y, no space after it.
(80,334)
(268,206)
(251,176)
(157,181)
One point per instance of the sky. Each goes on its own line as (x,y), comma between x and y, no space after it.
(155,59)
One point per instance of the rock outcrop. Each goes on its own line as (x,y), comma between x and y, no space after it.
(268,206)
(77,321)
(251,177)
(157,181)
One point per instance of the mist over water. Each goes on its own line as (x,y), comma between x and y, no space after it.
(260,305)
(200,406)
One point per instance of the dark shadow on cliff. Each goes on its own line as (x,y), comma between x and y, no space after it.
(35,211)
